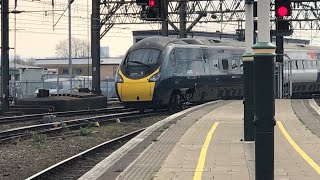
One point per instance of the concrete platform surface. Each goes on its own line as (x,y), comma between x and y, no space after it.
(210,147)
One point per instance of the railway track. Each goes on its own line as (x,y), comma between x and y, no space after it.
(58,127)
(32,117)
(75,166)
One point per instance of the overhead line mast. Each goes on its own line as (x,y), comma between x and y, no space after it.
(5,55)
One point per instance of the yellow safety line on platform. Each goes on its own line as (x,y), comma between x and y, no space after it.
(203,153)
(298,149)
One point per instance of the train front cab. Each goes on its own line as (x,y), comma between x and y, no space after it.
(136,81)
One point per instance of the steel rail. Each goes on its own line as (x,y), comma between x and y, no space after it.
(61,166)
(23,132)
(21,118)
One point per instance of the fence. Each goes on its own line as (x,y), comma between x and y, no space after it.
(25,89)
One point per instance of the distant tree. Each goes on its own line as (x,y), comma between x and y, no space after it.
(79,48)
(18,60)
(31,61)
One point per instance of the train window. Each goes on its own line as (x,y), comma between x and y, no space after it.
(172,64)
(191,61)
(205,63)
(308,64)
(183,64)
(296,64)
(318,64)
(172,58)
(225,64)
(234,64)
(304,65)
(300,65)
(143,57)
(205,58)
(314,64)
(188,54)
(215,64)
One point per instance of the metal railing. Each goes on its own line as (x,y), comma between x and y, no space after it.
(27,89)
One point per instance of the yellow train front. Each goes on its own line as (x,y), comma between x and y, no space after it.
(138,74)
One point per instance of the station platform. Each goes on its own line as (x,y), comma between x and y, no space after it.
(206,142)
(68,102)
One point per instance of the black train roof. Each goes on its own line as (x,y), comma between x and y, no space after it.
(160,42)
(157,42)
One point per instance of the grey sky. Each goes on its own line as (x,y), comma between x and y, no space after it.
(37,38)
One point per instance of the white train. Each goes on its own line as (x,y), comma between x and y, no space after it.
(301,71)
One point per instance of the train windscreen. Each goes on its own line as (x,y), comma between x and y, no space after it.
(140,63)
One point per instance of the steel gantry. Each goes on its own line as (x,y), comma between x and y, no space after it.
(305,14)
(117,12)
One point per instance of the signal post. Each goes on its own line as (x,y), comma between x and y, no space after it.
(283,11)
(5,55)
(264,122)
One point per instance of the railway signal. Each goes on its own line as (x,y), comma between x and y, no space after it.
(283,12)
(283,8)
(152,3)
(151,9)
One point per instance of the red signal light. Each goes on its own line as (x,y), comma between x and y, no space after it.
(152,3)
(282,11)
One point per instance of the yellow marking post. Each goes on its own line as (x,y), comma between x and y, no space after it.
(298,149)
(203,153)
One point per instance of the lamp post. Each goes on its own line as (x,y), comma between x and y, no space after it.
(264,57)
(70,48)
(248,74)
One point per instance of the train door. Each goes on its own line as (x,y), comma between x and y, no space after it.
(203,82)
(186,73)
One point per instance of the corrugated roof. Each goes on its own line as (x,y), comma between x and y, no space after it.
(107,60)
(111,60)
(20,66)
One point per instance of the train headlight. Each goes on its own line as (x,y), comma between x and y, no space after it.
(119,79)
(155,77)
